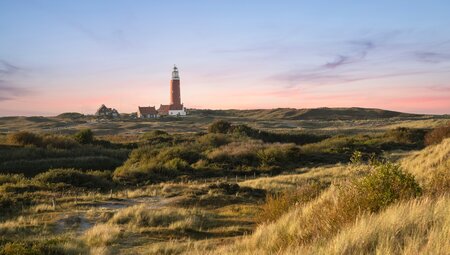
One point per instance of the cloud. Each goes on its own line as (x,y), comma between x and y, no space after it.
(339,61)
(431,57)
(354,61)
(7,68)
(358,52)
(344,77)
(8,90)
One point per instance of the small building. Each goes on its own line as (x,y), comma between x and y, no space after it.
(106,112)
(147,112)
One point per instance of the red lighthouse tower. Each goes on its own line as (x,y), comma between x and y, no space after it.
(175,97)
(175,108)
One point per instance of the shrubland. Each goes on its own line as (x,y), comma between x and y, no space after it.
(382,208)
(241,150)
(30,154)
(233,190)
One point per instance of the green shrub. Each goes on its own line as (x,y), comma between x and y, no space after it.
(278,155)
(272,137)
(153,163)
(407,136)
(185,152)
(84,136)
(236,155)
(213,140)
(36,166)
(27,138)
(157,137)
(75,178)
(177,164)
(59,142)
(24,138)
(356,157)
(384,184)
(219,126)
(438,134)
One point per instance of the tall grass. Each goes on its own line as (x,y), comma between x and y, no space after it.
(332,211)
(140,216)
(415,227)
(432,158)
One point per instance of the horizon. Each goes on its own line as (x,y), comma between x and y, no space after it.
(62,56)
(234,109)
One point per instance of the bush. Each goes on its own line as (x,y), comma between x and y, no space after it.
(152,164)
(75,178)
(220,126)
(407,136)
(59,142)
(213,140)
(385,184)
(236,154)
(438,134)
(270,137)
(25,138)
(84,136)
(157,137)
(278,155)
(177,164)
(33,167)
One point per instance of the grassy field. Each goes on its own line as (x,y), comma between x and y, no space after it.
(277,181)
(322,120)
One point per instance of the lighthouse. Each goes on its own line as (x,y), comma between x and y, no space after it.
(175,108)
(175,97)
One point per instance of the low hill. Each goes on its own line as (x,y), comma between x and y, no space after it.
(353,113)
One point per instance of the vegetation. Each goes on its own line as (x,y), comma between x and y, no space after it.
(31,153)
(438,134)
(76,178)
(84,136)
(268,187)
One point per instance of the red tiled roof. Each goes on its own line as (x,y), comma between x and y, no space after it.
(164,109)
(150,110)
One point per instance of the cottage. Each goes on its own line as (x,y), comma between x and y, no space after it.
(106,112)
(147,112)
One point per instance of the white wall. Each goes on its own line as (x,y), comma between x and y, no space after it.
(177,113)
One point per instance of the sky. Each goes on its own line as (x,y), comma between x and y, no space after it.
(72,56)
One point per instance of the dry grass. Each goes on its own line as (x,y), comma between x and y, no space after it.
(140,216)
(100,237)
(432,158)
(18,225)
(420,226)
(292,181)
(330,225)
(431,167)
(42,208)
